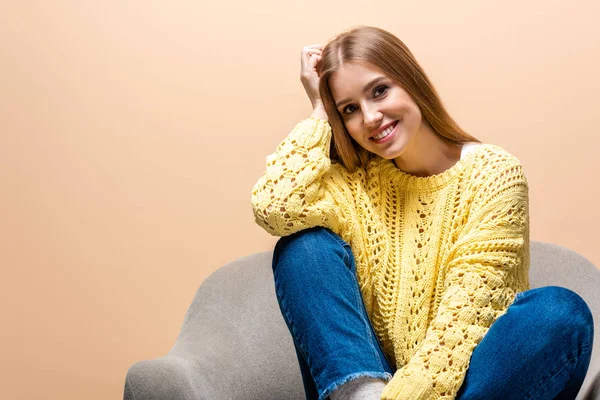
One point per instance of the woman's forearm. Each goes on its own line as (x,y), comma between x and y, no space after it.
(319,112)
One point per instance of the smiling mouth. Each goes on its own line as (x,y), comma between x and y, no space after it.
(389,128)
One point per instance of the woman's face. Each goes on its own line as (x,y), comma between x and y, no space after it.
(368,101)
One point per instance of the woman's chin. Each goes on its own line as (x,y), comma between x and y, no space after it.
(390,153)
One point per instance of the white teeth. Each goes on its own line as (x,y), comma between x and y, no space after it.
(384,133)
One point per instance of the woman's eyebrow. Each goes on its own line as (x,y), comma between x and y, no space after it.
(365,89)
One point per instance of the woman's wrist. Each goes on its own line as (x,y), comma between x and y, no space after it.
(319,111)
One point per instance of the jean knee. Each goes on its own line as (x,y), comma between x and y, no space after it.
(313,243)
(570,311)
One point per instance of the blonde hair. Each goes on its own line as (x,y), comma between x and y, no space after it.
(379,49)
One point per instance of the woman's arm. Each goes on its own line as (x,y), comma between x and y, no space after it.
(319,111)
(299,189)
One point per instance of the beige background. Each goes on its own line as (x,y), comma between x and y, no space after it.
(132,133)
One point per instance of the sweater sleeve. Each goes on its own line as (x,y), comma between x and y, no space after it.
(299,188)
(479,286)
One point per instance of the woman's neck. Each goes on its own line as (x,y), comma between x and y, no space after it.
(426,154)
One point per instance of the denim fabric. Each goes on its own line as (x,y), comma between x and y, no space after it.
(539,349)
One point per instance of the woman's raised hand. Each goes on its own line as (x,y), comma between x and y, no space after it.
(310,56)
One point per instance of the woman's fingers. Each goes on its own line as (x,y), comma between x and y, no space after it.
(307,55)
(309,59)
(313,60)
(308,52)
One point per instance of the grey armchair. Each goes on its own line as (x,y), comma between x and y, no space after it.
(234,343)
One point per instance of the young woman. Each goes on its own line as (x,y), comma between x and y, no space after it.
(402,268)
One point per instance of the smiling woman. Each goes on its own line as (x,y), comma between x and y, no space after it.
(363,93)
(385,121)
(405,242)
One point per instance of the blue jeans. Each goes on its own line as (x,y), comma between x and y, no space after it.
(539,349)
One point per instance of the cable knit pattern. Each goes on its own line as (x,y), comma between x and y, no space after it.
(438,258)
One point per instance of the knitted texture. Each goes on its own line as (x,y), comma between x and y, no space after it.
(438,259)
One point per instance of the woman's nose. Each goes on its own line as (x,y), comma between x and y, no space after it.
(372,117)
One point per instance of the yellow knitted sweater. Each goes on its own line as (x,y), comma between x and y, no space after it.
(438,258)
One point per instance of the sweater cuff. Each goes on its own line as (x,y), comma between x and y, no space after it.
(311,132)
(409,387)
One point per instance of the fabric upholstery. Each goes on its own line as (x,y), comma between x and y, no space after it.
(250,355)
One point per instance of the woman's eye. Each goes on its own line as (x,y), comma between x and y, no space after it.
(380,87)
(383,87)
(345,109)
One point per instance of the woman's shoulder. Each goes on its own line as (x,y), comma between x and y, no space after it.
(495,170)
(468,148)
(490,155)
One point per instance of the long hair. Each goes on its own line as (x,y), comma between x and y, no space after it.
(379,49)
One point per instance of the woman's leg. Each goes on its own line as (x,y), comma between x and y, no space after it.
(321,303)
(540,349)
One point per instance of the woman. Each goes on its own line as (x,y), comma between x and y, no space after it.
(402,268)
